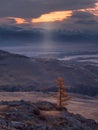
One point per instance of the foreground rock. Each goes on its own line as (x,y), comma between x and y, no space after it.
(21,115)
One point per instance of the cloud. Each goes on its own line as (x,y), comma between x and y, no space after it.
(35,8)
(18,20)
(82,15)
(74,36)
(85,18)
(14,33)
(37,12)
(25,36)
(87,22)
(20,16)
(53,16)
(80,21)
(9,21)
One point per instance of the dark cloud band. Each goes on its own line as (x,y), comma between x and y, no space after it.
(34,8)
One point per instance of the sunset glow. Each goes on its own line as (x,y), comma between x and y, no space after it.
(94,10)
(19,20)
(53,16)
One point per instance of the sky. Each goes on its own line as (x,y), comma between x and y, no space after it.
(59,20)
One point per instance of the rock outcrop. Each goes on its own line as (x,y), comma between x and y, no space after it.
(21,115)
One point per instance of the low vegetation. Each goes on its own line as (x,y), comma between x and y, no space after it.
(22,115)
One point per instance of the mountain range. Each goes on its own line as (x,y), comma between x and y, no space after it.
(15,33)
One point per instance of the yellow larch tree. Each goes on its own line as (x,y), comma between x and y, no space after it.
(62,97)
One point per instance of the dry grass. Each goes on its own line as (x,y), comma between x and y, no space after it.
(87,107)
(3,108)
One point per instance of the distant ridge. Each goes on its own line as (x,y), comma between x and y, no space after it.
(20,73)
(8,54)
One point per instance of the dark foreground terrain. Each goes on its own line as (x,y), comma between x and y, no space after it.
(79,104)
(22,115)
(20,73)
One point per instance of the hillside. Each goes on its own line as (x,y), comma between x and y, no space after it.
(20,73)
(23,115)
(79,104)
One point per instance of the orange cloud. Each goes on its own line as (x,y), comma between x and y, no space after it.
(94,10)
(52,17)
(19,20)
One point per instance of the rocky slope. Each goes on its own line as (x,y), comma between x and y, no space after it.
(79,104)
(21,115)
(20,73)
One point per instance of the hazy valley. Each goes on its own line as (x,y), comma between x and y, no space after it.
(21,73)
(28,93)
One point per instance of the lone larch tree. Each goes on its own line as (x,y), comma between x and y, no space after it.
(62,97)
